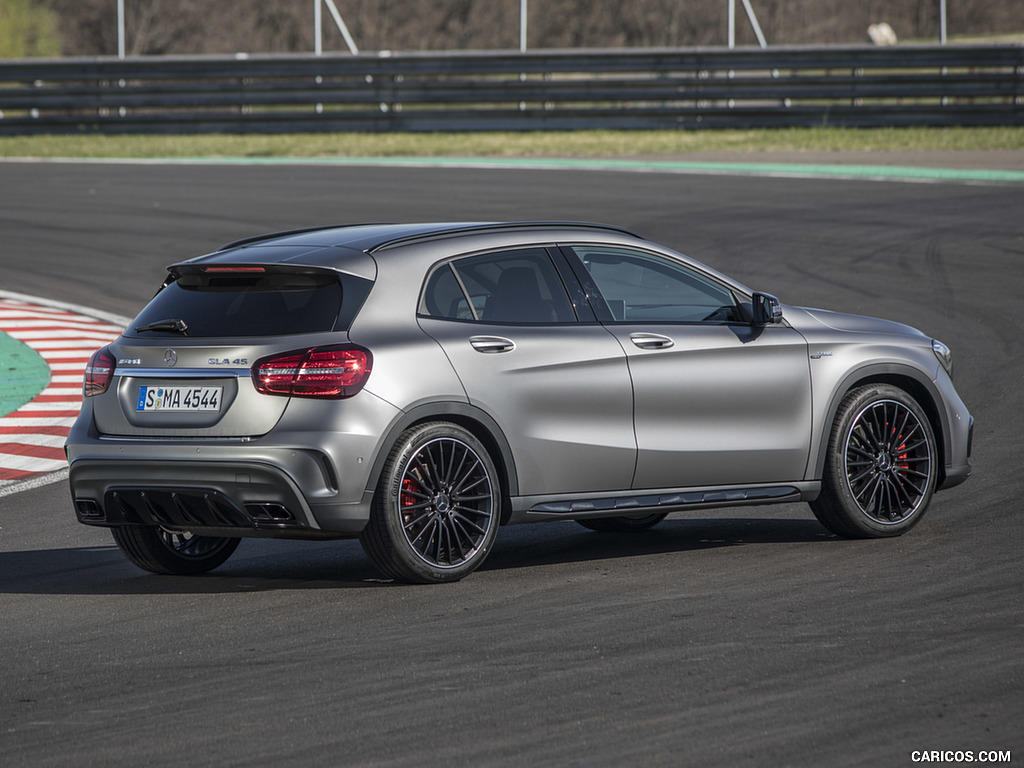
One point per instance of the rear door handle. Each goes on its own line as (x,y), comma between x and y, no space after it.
(492,344)
(651,340)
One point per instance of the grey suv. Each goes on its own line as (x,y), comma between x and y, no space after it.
(418,385)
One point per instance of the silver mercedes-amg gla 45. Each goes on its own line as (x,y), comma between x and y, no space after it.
(418,385)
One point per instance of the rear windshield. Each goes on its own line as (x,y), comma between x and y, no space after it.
(264,304)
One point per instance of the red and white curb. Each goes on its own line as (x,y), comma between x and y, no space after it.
(65,336)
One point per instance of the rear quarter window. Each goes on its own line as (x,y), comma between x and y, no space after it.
(508,287)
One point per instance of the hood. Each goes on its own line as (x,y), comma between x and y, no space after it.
(803,318)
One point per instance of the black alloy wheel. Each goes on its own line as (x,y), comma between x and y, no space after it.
(888,462)
(437,508)
(164,551)
(880,469)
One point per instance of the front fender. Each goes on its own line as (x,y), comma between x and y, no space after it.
(916,382)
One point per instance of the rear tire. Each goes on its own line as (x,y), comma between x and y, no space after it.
(179,553)
(880,465)
(623,524)
(436,511)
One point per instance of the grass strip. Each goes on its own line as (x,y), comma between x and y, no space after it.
(566,144)
(23,372)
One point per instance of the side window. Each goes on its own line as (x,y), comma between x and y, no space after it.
(643,287)
(520,286)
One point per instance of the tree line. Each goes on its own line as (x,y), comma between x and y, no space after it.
(165,27)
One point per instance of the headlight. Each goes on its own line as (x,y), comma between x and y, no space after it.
(944,354)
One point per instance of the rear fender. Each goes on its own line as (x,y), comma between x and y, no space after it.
(475,420)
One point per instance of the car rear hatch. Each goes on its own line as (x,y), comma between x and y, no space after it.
(183,367)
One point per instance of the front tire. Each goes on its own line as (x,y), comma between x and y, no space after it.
(178,553)
(436,511)
(880,466)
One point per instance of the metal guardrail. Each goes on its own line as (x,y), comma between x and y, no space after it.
(556,90)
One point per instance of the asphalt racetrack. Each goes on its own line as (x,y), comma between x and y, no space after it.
(743,638)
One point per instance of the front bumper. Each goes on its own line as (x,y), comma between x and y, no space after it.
(955,475)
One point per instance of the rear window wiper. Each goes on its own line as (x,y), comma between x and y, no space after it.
(165,325)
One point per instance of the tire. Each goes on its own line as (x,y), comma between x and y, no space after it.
(172,552)
(623,524)
(436,511)
(880,465)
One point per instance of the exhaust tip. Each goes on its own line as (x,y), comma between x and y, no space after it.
(269,512)
(88,510)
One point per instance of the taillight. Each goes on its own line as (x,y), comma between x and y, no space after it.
(99,372)
(334,372)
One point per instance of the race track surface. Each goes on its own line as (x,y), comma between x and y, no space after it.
(743,638)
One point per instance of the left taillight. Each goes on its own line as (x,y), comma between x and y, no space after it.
(336,371)
(99,372)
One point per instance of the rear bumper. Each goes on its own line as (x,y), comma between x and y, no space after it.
(220,496)
(307,478)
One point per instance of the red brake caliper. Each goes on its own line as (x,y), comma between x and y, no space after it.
(902,456)
(409,487)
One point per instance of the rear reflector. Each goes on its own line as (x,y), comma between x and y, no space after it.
(337,372)
(99,372)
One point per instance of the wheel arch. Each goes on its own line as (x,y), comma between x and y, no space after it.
(478,422)
(912,381)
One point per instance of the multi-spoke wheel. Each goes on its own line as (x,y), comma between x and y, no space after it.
(880,467)
(623,524)
(437,506)
(172,552)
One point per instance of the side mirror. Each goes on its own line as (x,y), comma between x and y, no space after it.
(767,309)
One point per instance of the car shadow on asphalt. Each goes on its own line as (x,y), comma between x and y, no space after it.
(268,565)
(552,543)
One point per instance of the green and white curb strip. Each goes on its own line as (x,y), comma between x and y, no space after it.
(44,348)
(788,170)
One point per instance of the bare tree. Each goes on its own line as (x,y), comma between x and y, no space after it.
(157,27)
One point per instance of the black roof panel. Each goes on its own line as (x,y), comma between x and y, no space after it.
(371,237)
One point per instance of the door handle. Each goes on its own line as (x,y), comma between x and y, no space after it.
(651,340)
(491,344)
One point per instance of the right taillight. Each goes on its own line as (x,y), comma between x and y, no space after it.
(99,372)
(336,371)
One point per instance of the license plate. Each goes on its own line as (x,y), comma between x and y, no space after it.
(179,399)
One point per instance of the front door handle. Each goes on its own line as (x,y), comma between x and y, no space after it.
(651,340)
(492,344)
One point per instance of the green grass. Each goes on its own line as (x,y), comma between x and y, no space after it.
(23,371)
(539,144)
